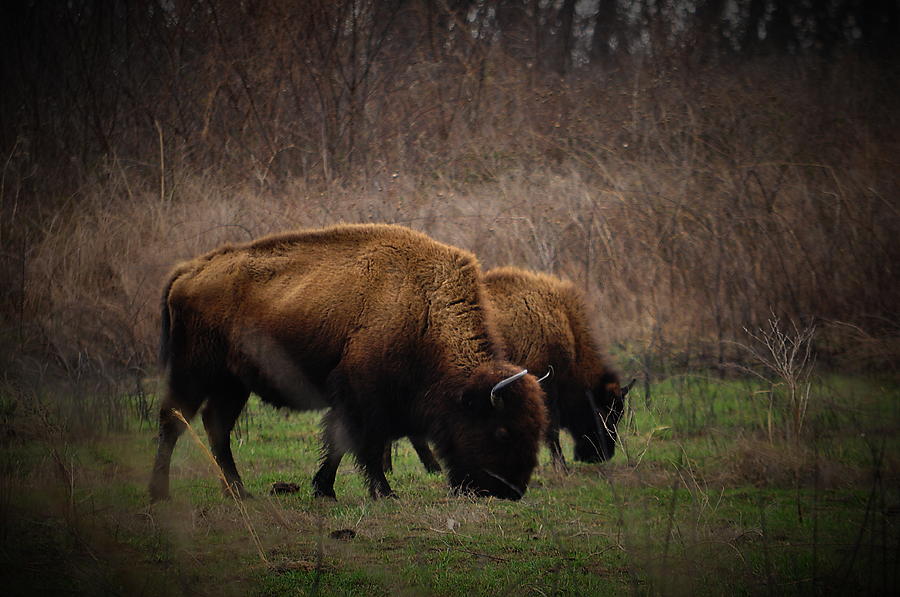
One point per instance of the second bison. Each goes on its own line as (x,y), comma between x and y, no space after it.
(545,324)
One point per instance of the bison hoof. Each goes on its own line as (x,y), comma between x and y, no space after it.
(236,491)
(391,494)
(324,493)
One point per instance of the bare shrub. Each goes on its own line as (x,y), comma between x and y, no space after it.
(787,355)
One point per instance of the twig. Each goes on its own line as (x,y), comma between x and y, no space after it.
(162,163)
(237,500)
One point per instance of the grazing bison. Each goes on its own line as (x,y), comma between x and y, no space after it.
(544,324)
(383,324)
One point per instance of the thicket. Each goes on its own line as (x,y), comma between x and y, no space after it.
(693,190)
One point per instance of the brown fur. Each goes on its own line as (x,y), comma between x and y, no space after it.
(544,323)
(383,324)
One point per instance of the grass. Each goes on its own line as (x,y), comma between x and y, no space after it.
(699,501)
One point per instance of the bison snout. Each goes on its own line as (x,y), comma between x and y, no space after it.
(489,485)
(594,449)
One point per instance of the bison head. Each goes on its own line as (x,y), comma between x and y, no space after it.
(595,434)
(491,442)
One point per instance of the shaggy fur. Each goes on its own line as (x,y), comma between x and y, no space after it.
(383,324)
(544,323)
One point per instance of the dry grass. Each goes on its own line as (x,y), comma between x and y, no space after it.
(666,272)
(762,464)
(689,205)
(245,517)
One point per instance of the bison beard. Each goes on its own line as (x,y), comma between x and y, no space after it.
(384,325)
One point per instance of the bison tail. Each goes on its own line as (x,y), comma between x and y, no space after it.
(164,349)
(165,340)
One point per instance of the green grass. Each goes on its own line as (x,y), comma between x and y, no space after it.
(698,501)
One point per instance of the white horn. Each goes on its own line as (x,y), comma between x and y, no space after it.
(496,401)
(549,373)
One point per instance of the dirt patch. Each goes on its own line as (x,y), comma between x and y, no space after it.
(343,534)
(280,487)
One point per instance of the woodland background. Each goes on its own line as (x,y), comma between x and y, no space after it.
(698,167)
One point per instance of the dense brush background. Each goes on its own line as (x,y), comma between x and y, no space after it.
(699,168)
(694,179)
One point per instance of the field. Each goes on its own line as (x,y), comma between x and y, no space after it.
(697,500)
(720,179)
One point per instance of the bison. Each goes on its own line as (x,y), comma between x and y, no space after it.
(382,324)
(544,323)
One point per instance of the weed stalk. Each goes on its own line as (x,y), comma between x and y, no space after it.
(242,508)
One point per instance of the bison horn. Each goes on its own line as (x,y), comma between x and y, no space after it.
(496,401)
(628,387)
(547,375)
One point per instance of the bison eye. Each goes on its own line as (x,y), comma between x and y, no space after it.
(502,434)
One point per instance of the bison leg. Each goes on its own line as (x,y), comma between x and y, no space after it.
(387,461)
(219,416)
(323,481)
(425,454)
(371,460)
(341,434)
(556,453)
(170,429)
(426,457)
(333,449)
(351,426)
